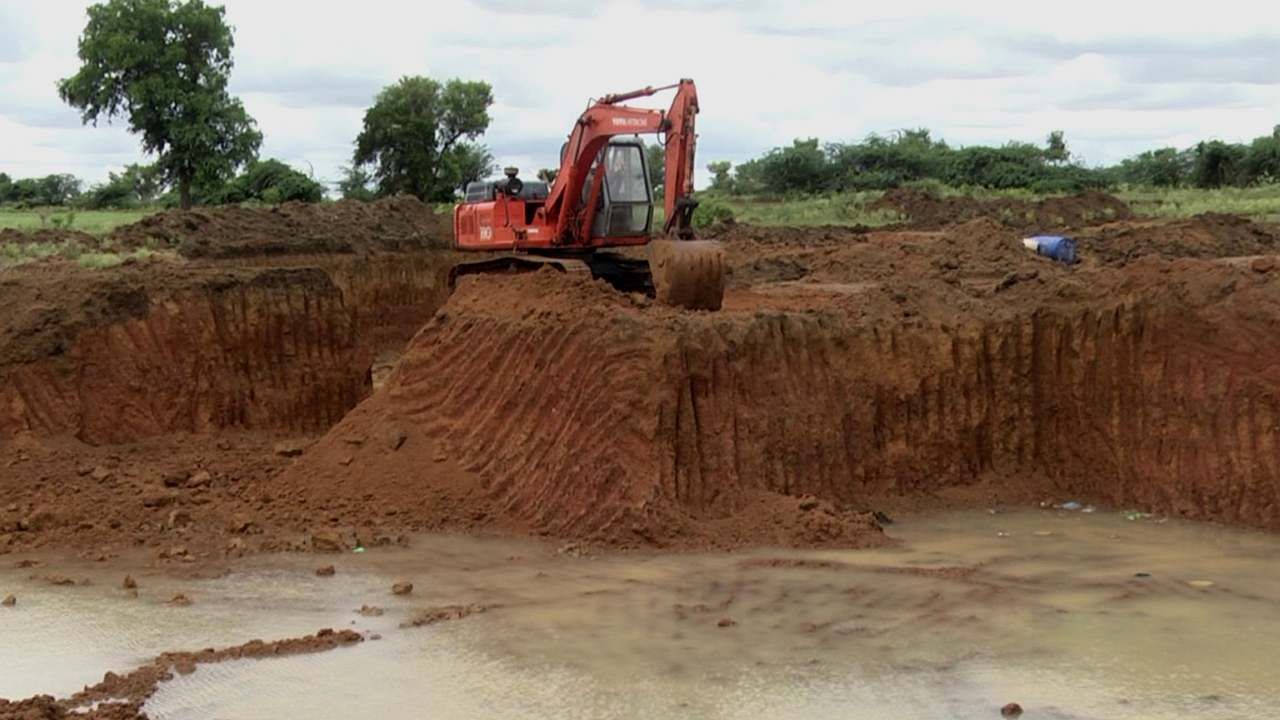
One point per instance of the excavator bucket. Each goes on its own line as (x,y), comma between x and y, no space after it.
(688,273)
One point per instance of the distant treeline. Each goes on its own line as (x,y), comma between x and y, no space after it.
(266,181)
(804,167)
(909,156)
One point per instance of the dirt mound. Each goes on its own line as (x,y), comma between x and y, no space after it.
(574,415)
(560,407)
(1210,235)
(894,274)
(553,405)
(46,236)
(927,210)
(397,224)
(767,235)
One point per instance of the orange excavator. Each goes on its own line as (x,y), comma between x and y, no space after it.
(601,199)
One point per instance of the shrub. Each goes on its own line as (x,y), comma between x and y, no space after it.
(268,181)
(711,211)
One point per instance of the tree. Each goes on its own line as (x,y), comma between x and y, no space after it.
(48,190)
(26,191)
(1055,150)
(1262,162)
(145,181)
(720,179)
(655,157)
(1217,163)
(748,178)
(803,167)
(164,65)
(548,175)
(880,162)
(269,181)
(1014,165)
(58,189)
(468,163)
(116,192)
(355,184)
(1166,167)
(412,129)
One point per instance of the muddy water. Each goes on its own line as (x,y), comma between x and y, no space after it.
(971,611)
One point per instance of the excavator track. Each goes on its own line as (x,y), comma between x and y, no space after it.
(629,275)
(681,273)
(513,264)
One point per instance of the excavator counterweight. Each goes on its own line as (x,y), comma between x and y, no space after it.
(600,199)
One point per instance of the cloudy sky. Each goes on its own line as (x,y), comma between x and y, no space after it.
(1118,77)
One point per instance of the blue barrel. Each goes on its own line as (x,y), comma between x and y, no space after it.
(1062,249)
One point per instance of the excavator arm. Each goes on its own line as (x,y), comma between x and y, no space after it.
(605,119)
(686,272)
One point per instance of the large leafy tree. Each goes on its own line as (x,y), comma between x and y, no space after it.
(412,133)
(469,162)
(163,66)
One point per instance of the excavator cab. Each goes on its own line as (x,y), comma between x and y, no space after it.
(626,200)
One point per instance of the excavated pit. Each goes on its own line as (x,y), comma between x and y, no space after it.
(592,416)
(850,373)
(283,340)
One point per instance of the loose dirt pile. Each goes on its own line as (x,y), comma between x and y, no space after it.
(46,236)
(927,210)
(398,224)
(1211,235)
(187,498)
(575,416)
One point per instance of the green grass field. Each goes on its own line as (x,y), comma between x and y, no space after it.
(837,209)
(94,222)
(97,223)
(1258,203)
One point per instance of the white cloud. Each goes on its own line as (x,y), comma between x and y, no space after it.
(1117,77)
